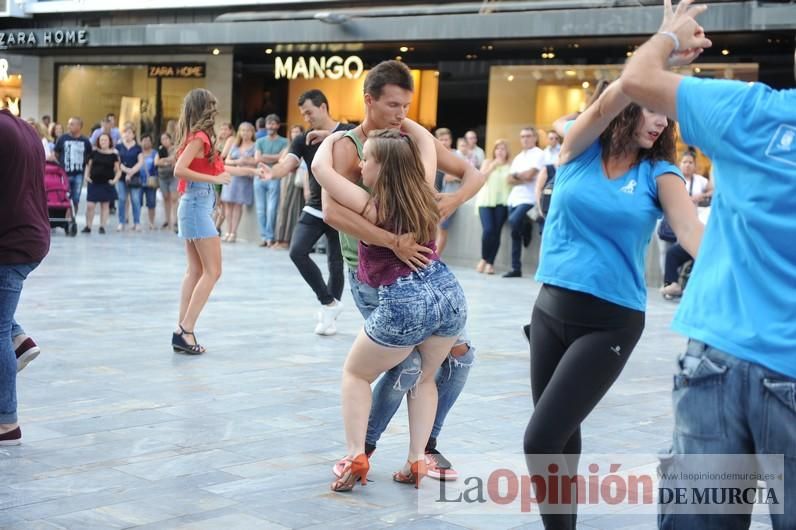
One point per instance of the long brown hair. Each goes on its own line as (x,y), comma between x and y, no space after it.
(406,202)
(198,114)
(618,137)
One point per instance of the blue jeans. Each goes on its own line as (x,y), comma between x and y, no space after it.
(492,220)
(517,219)
(724,405)
(266,200)
(11,279)
(75,185)
(396,382)
(122,189)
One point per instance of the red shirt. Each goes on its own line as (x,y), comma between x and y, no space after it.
(201,164)
(24,222)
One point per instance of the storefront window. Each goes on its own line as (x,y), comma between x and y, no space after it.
(538,95)
(93,91)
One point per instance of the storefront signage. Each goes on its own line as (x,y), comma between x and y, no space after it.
(43,39)
(190,70)
(3,70)
(334,67)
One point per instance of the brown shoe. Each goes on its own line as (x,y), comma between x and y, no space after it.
(13,437)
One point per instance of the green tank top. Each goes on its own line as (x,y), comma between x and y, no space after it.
(349,245)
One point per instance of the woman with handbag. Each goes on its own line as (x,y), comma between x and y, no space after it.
(292,199)
(164,161)
(130,185)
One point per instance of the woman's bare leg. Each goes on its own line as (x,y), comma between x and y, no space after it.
(90,207)
(365,362)
(209,251)
(192,274)
(105,211)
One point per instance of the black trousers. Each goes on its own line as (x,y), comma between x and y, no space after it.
(579,345)
(308,231)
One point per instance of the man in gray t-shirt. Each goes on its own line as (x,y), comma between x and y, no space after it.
(266,191)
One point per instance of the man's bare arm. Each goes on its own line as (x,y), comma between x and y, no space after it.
(285,167)
(646,79)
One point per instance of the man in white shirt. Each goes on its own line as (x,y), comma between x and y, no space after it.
(552,149)
(522,177)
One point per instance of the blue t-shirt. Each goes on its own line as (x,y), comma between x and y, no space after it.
(741,297)
(597,230)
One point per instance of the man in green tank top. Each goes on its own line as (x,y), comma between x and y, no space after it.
(388,92)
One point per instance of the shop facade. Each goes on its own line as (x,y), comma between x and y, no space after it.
(493,71)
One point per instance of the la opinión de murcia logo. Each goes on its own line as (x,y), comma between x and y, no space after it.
(49,38)
(504,490)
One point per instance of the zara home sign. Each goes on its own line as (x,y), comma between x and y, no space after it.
(43,39)
(334,67)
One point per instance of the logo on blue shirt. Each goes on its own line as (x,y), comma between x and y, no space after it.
(783,145)
(630,187)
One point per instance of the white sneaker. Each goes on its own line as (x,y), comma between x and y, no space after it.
(326,318)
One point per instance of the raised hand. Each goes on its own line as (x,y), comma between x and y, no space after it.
(682,23)
(447,204)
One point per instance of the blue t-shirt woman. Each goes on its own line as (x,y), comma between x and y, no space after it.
(615,180)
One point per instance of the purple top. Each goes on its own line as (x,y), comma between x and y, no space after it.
(24,222)
(380,266)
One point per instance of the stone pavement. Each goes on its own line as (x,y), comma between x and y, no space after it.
(119,432)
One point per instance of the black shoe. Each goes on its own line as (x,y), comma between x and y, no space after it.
(102,230)
(86,230)
(526,331)
(513,274)
(180,345)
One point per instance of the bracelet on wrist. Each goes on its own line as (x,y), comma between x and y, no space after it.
(673,37)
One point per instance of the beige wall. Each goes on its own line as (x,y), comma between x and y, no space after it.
(218,80)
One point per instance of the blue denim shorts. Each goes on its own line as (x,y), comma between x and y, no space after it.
(195,212)
(417,306)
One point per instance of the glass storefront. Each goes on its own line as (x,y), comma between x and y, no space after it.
(93,91)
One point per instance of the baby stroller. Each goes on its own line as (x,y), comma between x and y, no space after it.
(59,199)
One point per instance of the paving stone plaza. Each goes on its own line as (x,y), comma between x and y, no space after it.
(119,432)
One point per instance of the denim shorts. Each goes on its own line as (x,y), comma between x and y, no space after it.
(195,212)
(422,304)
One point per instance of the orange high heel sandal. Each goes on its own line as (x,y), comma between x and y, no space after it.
(417,470)
(355,469)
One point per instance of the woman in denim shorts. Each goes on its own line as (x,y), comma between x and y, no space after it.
(423,309)
(198,167)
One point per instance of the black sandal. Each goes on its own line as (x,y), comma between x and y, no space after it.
(180,345)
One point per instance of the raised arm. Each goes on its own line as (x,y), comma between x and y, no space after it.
(472,180)
(425,144)
(679,41)
(594,120)
(343,190)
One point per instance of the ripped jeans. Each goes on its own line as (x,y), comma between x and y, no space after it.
(395,383)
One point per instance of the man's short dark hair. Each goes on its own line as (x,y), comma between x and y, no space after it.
(260,123)
(272,117)
(315,96)
(388,73)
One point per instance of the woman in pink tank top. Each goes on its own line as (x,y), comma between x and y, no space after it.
(423,309)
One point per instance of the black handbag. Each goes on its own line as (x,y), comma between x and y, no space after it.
(547,191)
(135,181)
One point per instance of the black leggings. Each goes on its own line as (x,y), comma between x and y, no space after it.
(579,345)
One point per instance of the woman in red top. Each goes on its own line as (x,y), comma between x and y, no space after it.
(198,167)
